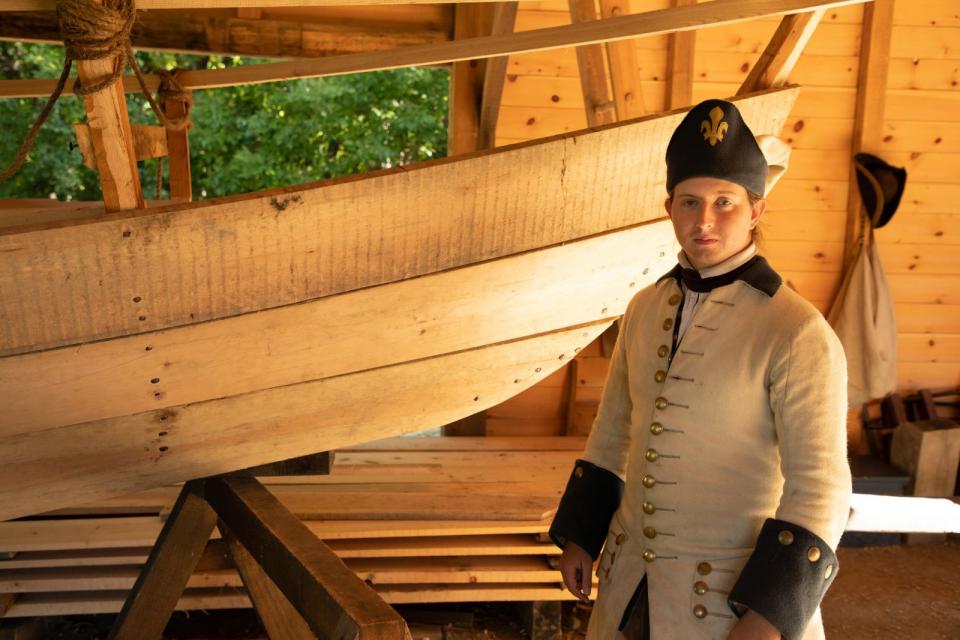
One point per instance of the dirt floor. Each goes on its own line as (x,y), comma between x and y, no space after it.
(907,592)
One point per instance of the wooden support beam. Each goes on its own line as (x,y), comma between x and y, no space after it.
(680,56)
(624,66)
(111,136)
(466,80)
(600,107)
(174,557)
(871,101)
(495,74)
(280,620)
(178,150)
(542,619)
(782,52)
(660,22)
(334,602)
(6,601)
(243,35)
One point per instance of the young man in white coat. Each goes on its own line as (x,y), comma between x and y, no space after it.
(715,478)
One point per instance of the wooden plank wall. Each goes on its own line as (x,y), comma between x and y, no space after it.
(804,226)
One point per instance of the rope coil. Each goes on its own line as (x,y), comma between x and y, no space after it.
(95,31)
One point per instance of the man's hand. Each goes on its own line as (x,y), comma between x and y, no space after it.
(753,626)
(576,567)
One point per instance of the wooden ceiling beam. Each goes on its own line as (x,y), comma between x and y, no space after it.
(181,32)
(782,52)
(660,22)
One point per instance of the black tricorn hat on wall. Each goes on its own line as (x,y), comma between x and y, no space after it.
(713,141)
(881,187)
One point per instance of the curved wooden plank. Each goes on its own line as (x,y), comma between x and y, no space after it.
(465,308)
(76,464)
(132,272)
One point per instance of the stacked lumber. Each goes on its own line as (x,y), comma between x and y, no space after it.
(420,519)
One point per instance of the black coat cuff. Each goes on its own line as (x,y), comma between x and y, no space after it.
(785,578)
(589,502)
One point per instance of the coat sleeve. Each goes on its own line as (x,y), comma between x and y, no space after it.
(794,560)
(595,486)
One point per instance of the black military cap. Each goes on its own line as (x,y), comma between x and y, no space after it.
(881,186)
(713,141)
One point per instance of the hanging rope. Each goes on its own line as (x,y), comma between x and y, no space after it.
(93,31)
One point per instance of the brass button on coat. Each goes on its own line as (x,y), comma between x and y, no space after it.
(660,376)
(668,324)
(648,508)
(648,481)
(651,455)
(813,554)
(620,538)
(656,428)
(649,555)
(663,351)
(578,472)
(828,572)
(704,568)
(650,532)
(700,611)
(785,537)
(674,299)
(660,403)
(700,587)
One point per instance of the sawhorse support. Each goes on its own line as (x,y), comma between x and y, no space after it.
(298,586)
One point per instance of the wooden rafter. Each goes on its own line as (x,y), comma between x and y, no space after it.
(624,66)
(597,103)
(871,100)
(782,52)
(660,22)
(680,50)
(242,35)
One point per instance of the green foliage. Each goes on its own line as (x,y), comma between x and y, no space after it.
(243,138)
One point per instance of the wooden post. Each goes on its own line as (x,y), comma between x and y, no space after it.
(174,557)
(504,19)
(680,48)
(624,66)
(593,71)
(178,151)
(542,620)
(466,80)
(871,100)
(111,135)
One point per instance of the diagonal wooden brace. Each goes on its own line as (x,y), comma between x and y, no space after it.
(164,577)
(333,601)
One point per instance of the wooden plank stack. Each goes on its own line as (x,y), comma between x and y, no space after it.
(420,519)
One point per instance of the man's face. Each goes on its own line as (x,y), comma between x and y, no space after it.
(712,218)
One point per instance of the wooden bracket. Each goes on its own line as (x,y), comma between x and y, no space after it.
(299,587)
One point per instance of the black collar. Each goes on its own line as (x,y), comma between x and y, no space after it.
(756,272)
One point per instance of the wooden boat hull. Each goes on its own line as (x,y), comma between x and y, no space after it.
(145,348)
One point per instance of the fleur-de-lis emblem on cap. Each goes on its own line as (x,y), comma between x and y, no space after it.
(713,131)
